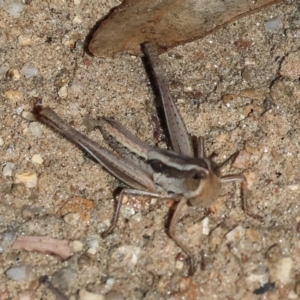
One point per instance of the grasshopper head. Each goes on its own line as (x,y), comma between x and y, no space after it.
(206,185)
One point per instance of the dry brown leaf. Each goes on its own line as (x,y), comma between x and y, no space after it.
(168,23)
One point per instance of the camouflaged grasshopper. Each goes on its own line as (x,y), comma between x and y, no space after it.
(150,171)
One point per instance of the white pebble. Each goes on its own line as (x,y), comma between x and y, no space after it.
(18,273)
(283,270)
(109,283)
(293,187)
(235,234)
(29,70)
(128,254)
(7,239)
(24,40)
(273,25)
(179,265)
(72,218)
(76,86)
(36,129)
(76,246)
(28,115)
(1,142)
(27,178)
(205,227)
(85,295)
(77,20)
(7,170)
(77,2)
(92,251)
(19,110)
(37,158)
(63,92)
(13,8)
(93,242)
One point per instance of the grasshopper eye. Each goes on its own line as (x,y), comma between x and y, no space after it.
(197,176)
(193,181)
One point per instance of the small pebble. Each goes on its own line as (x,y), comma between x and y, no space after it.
(135,219)
(235,234)
(273,25)
(77,20)
(28,178)
(28,212)
(19,273)
(14,95)
(260,274)
(250,178)
(216,237)
(92,251)
(85,295)
(179,264)
(25,295)
(7,170)
(64,278)
(127,255)
(72,218)
(76,246)
(63,92)
(76,86)
(77,2)
(29,70)
(62,78)
(290,66)
(13,74)
(12,7)
(24,40)
(1,142)
(284,270)
(109,283)
(28,115)
(36,129)
(93,242)
(19,110)
(37,158)
(293,187)
(7,238)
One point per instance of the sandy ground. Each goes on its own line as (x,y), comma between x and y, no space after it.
(238,87)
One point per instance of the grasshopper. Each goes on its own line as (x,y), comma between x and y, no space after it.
(152,172)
